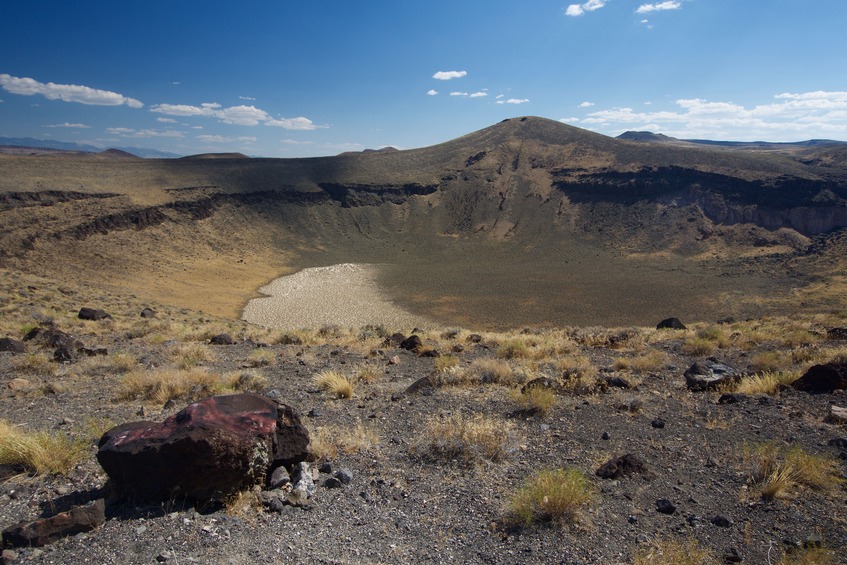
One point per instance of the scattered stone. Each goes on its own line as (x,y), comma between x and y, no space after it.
(8,556)
(709,375)
(839,442)
(52,337)
(148,313)
(658,423)
(617,382)
(632,405)
(430,353)
(12,345)
(722,521)
(325,468)
(732,398)
(422,385)
(41,532)
(693,520)
(458,348)
(332,482)
(670,324)
(411,343)
(273,501)
(207,451)
(836,333)
(344,475)
(837,415)
(222,339)
(94,314)
(823,379)
(395,360)
(732,555)
(20,385)
(166,556)
(605,436)
(622,466)
(665,506)
(315,413)
(394,340)
(474,338)
(279,478)
(304,485)
(64,354)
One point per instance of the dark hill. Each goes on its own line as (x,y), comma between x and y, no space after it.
(527,221)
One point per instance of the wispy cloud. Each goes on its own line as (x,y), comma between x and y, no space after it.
(66,92)
(580,9)
(166,120)
(225,139)
(479,94)
(246,98)
(586,104)
(657,7)
(431,92)
(296,142)
(235,115)
(790,117)
(67,125)
(458,94)
(448,75)
(129,132)
(514,101)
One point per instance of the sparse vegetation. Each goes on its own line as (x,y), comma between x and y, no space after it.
(161,386)
(466,440)
(674,551)
(536,400)
(780,470)
(39,452)
(335,383)
(556,495)
(809,556)
(653,360)
(189,355)
(328,441)
(767,382)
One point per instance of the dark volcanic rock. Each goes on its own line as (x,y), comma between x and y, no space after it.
(823,378)
(543,382)
(836,333)
(222,339)
(665,506)
(709,375)
(622,466)
(411,343)
(52,337)
(48,530)
(670,324)
(148,313)
(12,345)
(94,314)
(208,450)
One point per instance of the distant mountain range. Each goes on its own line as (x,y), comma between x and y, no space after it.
(31,142)
(650,137)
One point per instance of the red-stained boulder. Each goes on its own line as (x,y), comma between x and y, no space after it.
(208,450)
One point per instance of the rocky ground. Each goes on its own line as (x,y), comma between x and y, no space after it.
(408,501)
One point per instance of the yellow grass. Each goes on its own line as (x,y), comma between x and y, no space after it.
(164,385)
(556,495)
(674,551)
(467,440)
(328,441)
(538,400)
(39,452)
(335,383)
(780,471)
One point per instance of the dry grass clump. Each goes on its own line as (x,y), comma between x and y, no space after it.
(335,383)
(493,371)
(653,360)
(445,362)
(556,495)
(467,440)
(244,381)
(674,551)
(39,452)
(37,364)
(190,355)
(513,349)
(370,371)
(114,363)
(809,556)
(161,386)
(767,382)
(535,400)
(326,442)
(699,347)
(779,470)
(770,361)
(261,357)
(578,366)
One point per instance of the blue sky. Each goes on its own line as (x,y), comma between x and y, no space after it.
(289,79)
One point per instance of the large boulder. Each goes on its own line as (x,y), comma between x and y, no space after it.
(208,450)
(52,337)
(710,375)
(12,345)
(670,324)
(94,314)
(822,379)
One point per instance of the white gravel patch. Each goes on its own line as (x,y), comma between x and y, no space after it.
(346,295)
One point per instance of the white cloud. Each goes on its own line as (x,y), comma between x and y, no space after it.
(66,92)
(448,75)
(792,117)
(580,9)
(225,139)
(67,125)
(499,96)
(129,132)
(658,7)
(235,115)
(458,94)
(246,98)
(301,123)
(514,101)
(295,142)
(166,120)
(479,94)
(586,104)
(431,92)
